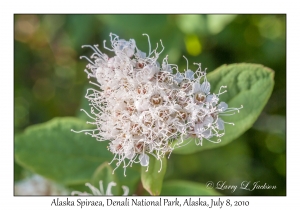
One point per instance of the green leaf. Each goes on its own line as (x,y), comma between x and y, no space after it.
(53,151)
(152,178)
(104,173)
(132,178)
(186,188)
(249,85)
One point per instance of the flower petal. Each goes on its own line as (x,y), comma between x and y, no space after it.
(205,87)
(144,159)
(220,124)
(189,74)
(178,78)
(222,106)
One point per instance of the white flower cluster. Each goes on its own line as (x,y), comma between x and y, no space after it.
(101,191)
(141,107)
(38,185)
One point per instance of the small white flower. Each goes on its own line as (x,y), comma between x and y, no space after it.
(100,191)
(141,107)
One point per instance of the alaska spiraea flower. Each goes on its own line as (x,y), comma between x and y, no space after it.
(101,191)
(142,107)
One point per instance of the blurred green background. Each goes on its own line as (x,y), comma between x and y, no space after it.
(49,80)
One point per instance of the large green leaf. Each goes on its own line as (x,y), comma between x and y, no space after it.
(249,85)
(152,178)
(186,188)
(52,150)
